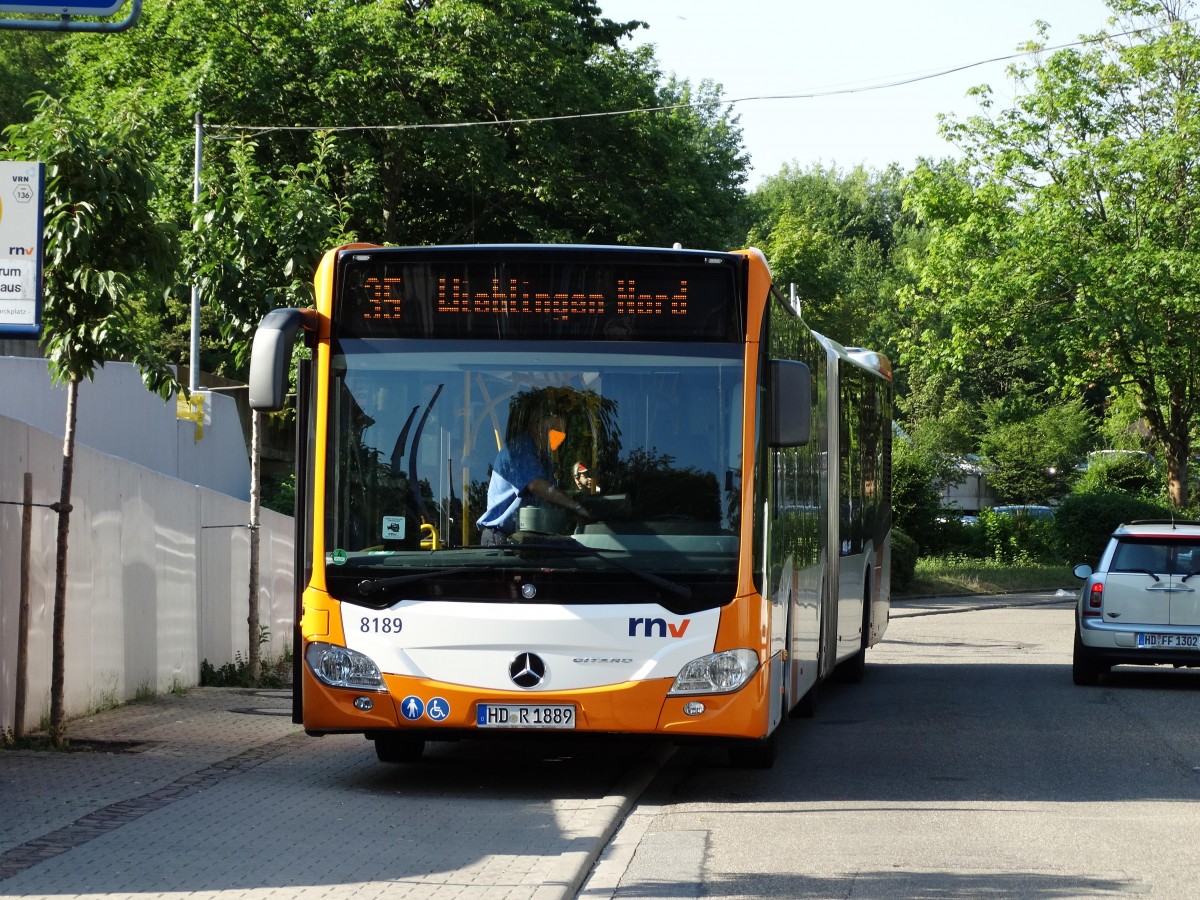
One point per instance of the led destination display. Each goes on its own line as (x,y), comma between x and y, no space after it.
(605,295)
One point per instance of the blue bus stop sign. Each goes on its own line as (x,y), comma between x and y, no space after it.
(64,7)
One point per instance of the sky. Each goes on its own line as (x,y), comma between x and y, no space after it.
(769,47)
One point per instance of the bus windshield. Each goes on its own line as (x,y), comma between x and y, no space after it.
(644,448)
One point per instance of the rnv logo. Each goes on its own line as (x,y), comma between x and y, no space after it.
(649,627)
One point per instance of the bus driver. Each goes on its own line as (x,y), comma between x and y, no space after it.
(523,473)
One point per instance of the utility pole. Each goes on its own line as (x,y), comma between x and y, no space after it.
(194,365)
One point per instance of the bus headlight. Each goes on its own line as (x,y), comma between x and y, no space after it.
(343,667)
(717,673)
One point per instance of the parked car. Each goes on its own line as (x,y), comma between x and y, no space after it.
(959,519)
(1032,512)
(1140,606)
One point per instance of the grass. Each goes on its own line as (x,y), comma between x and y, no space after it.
(956,576)
(274,672)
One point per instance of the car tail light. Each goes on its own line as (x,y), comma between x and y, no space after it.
(1095,599)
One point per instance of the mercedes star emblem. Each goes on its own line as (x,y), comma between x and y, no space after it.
(527,670)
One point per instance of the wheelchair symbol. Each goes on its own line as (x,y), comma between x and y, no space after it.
(438,709)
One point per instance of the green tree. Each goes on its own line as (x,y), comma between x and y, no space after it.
(917,477)
(252,246)
(103,249)
(410,69)
(393,81)
(940,419)
(1030,455)
(832,234)
(26,66)
(1064,243)
(256,239)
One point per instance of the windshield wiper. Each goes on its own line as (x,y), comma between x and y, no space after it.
(369,586)
(573,547)
(1142,572)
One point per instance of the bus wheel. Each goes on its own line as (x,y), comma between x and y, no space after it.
(399,748)
(756,754)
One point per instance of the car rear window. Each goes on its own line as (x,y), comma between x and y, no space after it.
(1162,557)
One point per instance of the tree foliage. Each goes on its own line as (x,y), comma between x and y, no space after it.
(1063,246)
(254,239)
(106,255)
(448,121)
(448,110)
(832,235)
(1030,453)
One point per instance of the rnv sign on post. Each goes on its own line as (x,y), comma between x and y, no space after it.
(21,248)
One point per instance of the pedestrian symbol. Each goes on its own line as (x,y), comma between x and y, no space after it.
(412,707)
(438,709)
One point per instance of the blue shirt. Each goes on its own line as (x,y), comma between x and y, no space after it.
(515,467)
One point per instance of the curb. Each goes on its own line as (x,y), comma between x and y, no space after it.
(569,874)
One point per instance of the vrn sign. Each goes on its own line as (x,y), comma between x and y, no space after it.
(21,248)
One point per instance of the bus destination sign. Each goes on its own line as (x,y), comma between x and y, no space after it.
(588,296)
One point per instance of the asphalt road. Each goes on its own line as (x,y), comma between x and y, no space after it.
(965,765)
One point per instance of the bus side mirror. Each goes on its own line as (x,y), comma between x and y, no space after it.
(789,403)
(271,354)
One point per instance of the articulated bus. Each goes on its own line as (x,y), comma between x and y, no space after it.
(707,539)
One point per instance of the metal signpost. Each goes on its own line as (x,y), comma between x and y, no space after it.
(21,248)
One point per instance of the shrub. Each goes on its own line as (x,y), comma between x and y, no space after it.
(904,560)
(955,538)
(1112,472)
(1085,521)
(280,494)
(1013,538)
(916,499)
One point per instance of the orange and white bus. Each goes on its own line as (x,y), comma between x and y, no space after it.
(576,489)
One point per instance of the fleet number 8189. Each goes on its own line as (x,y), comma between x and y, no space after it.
(380,625)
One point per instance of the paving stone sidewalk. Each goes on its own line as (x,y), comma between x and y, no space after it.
(213,793)
(127,761)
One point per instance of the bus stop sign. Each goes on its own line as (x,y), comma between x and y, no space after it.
(64,7)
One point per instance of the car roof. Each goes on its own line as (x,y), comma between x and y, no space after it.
(1159,528)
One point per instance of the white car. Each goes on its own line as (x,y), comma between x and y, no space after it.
(1141,606)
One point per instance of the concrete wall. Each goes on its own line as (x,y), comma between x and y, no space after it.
(972,493)
(118,416)
(157,573)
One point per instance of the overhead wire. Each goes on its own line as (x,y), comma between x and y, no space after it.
(800,95)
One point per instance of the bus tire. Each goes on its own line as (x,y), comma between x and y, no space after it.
(399,748)
(755,754)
